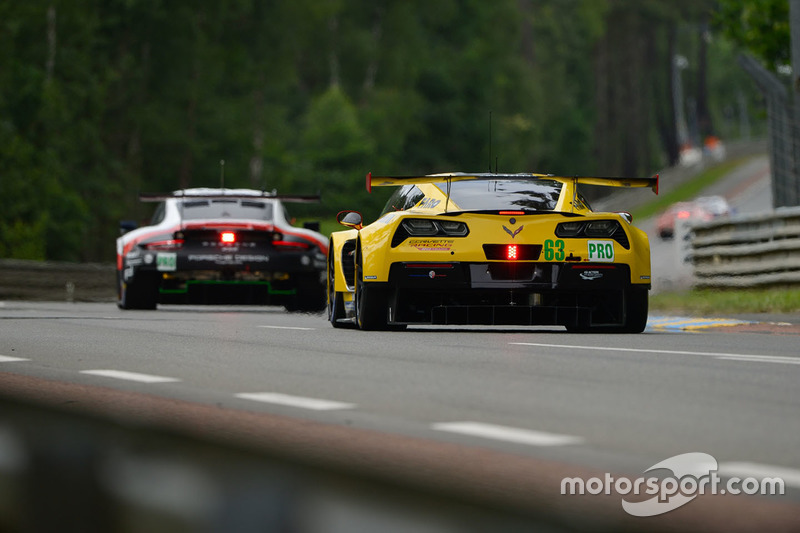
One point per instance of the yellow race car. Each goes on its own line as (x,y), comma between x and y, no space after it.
(488,248)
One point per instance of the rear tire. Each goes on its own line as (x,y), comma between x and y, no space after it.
(335,299)
(141,292)
(371,303)
(309,296)
(635,308)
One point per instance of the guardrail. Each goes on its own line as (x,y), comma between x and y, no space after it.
(55,280)
(753,250)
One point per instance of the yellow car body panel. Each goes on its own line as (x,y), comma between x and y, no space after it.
(437,261)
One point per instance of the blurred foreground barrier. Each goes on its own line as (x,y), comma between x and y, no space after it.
(753,250)
(61,470)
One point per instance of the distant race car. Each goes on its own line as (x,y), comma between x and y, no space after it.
(701,209)
(499,249)
(222,246)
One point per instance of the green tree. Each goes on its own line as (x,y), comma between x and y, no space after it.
(760,26)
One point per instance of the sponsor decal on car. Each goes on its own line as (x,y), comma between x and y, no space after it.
(431,245)
(385,219)
(591,275)
(429,203)
(221,259)
(166,262)
(601,251)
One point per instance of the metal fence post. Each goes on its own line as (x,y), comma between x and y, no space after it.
(784,133)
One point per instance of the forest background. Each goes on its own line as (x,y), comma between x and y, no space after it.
(103,99)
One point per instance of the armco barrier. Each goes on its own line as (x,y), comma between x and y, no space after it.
(753,250)
(56,281)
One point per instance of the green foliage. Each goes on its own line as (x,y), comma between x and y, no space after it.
(760,26)
(102,99)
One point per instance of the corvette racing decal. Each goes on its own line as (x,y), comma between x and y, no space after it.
(601,251)
(432,245)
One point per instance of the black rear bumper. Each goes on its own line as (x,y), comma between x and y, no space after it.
(217,278)
(566,294)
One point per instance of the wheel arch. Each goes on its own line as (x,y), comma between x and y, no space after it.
(337,243)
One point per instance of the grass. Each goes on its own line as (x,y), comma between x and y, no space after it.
(720,301)
(729,301)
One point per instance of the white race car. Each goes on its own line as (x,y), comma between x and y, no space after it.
(222,246)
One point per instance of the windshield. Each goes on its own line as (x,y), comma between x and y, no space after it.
(403,198)
(233,208)
(538,195)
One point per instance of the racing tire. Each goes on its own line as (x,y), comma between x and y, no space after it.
(310,295)
(371,303)
(141,292)
(636,308)
(335,299)
(635,315)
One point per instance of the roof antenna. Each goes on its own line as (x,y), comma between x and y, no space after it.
(221,173)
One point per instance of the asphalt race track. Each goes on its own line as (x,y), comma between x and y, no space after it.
(601,403)
(491,413)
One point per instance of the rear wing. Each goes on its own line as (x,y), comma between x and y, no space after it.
(233,194)
(381,181)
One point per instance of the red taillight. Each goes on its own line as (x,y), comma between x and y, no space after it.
(511,252)
(512,212)
(683,214)
(227,237)
(171,244)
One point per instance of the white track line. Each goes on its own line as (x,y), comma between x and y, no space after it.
(508,434)
(130,376)
(761,359)
(315,404)
(288,327)
(790,476)
(724,356)
(9,359)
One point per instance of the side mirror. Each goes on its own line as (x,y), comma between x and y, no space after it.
(627,216)
(351,219)
(127,225)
